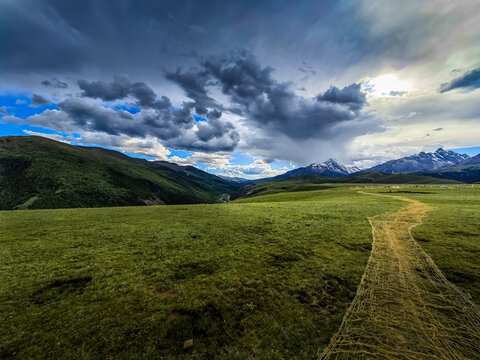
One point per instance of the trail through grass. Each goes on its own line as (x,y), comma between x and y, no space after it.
(268,277)
(405,308)
(264,278)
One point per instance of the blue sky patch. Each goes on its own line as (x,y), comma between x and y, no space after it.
(472,151)
(19,129)
(180,153)
(198,118)
(18,106)
(130,109)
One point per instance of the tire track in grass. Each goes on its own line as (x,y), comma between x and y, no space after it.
(405,308)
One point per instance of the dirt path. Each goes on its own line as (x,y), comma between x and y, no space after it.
(405,308)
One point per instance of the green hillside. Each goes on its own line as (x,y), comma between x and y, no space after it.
(468,172)
(312,182)
(36,173)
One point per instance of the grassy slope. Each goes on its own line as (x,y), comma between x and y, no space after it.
(467,173)
(312,182)
(451,235)
(265,278)
(62,176)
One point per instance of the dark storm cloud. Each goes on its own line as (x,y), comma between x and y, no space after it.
(120,88)
(116,90)
(163,124)
(240,76)
(174,125)
(89,38)
(307,42)
(350,96)
(264,101)
(194,83)
(54,83)
(146,96)
(92,37)
(38,100)
(92,117)
(214,128)
(468,81)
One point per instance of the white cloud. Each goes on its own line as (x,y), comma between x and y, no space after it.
(213,160)
(255,170)
(149,146)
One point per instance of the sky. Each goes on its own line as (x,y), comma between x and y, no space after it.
(244,88)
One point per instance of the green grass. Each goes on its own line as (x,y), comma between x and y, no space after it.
(266,277)
(313,182)
(451,235)
(267,280)
(58,175)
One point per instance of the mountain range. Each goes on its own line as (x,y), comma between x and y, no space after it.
(467,171)
(422,161)
(39,173)
(329,168)
(472,161)
(441,163)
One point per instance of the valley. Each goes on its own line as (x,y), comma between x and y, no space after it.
(275,268)
(239,180)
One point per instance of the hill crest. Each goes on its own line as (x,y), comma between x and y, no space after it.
(36,172)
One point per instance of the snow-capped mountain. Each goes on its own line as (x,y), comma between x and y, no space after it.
(471,161)
(423,161)
(330,168)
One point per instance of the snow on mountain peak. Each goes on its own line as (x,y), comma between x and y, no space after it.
(439,159)
(333,165)
(330,165)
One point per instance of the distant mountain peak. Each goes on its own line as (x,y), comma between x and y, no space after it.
(471,161)
(331,163)
(438,159)
(328,168)
(353,169)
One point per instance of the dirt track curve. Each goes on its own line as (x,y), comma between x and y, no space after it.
(405,308)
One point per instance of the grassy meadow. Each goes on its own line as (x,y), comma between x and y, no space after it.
(451,234)
(266,277)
